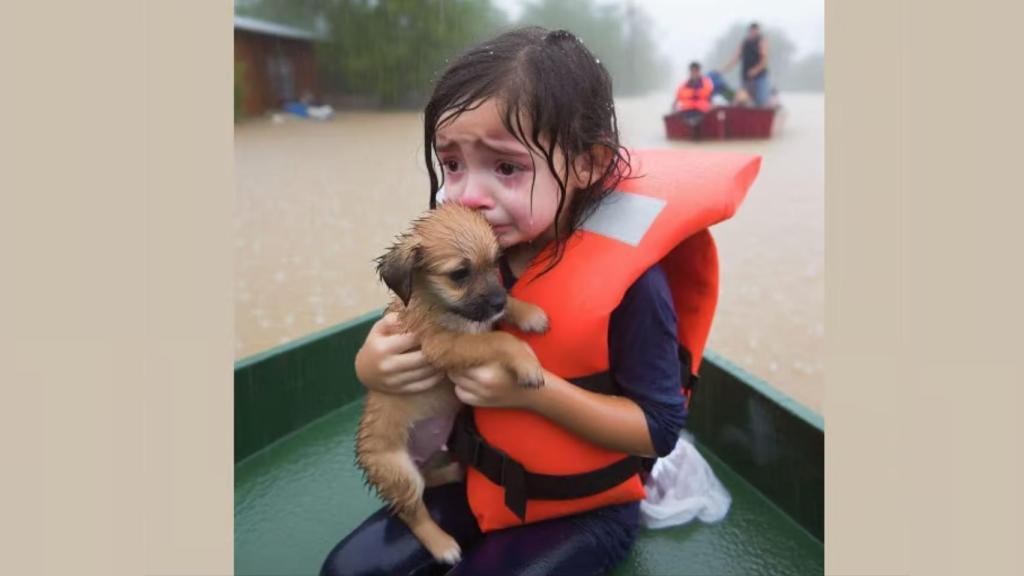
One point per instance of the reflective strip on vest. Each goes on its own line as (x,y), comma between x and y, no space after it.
(624,217)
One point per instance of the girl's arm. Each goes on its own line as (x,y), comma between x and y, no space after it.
(612,422)
(390,360)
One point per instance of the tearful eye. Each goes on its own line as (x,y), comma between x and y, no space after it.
(451,165)
(459,274)
(506,169)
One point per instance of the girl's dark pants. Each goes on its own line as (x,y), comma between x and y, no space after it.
(590,543)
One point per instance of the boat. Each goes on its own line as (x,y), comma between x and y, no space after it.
(725,123)
(298,491)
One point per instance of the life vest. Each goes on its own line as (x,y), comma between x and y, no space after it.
(523,468)
(691,98)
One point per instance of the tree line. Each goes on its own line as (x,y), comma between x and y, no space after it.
(389,51)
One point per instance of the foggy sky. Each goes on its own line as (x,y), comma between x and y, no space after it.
(686,30)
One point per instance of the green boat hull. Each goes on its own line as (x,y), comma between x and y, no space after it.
(297,491)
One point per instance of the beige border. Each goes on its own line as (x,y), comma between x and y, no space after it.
(117,318)
(116,299)
(924,284)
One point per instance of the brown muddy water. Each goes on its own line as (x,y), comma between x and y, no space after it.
(316,202)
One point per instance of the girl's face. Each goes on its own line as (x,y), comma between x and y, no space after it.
(487,169)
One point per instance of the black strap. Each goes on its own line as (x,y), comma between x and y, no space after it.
(601,382)
(689,378)
(467,447)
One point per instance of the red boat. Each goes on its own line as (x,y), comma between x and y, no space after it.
(724,122)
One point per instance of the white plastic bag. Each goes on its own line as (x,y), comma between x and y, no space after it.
(682,487)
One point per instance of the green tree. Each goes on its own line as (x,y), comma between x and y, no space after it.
(617,34)
(388,49)
(393,48)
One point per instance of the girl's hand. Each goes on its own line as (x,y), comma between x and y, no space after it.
(613,422)
(491,386)
(390,360)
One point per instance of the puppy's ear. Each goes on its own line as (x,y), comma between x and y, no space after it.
(396,267)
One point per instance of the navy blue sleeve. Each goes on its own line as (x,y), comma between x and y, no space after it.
(644,356)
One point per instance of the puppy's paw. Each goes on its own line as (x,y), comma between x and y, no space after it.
(535,321)
(533,378)
(527,317)
(444,548)
(523,364)
(529,374)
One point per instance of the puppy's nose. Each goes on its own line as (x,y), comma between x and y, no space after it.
(497,301)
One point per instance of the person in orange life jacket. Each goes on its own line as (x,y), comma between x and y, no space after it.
(523,129)
(753,54)
(693,97)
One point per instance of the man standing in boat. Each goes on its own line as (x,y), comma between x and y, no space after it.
(753,53)
(693,97)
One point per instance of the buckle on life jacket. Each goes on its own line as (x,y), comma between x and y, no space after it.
(470,449)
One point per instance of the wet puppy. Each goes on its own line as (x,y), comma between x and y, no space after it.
(444,273)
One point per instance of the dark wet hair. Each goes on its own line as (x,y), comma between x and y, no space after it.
(554,83)
(694,65)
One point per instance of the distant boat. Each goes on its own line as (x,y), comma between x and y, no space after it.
(724,123)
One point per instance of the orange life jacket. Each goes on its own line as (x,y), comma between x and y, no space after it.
(524,468)
(690,98)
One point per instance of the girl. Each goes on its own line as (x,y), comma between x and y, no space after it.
(524,130)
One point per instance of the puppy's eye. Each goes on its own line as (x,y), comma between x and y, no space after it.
(458,275)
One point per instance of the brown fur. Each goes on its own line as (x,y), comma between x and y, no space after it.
(453,316)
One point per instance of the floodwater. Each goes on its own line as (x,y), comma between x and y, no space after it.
(317,202)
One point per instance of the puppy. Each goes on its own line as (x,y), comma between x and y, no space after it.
(444,274)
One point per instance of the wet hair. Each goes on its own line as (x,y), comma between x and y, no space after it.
(554,96)
(695,65)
